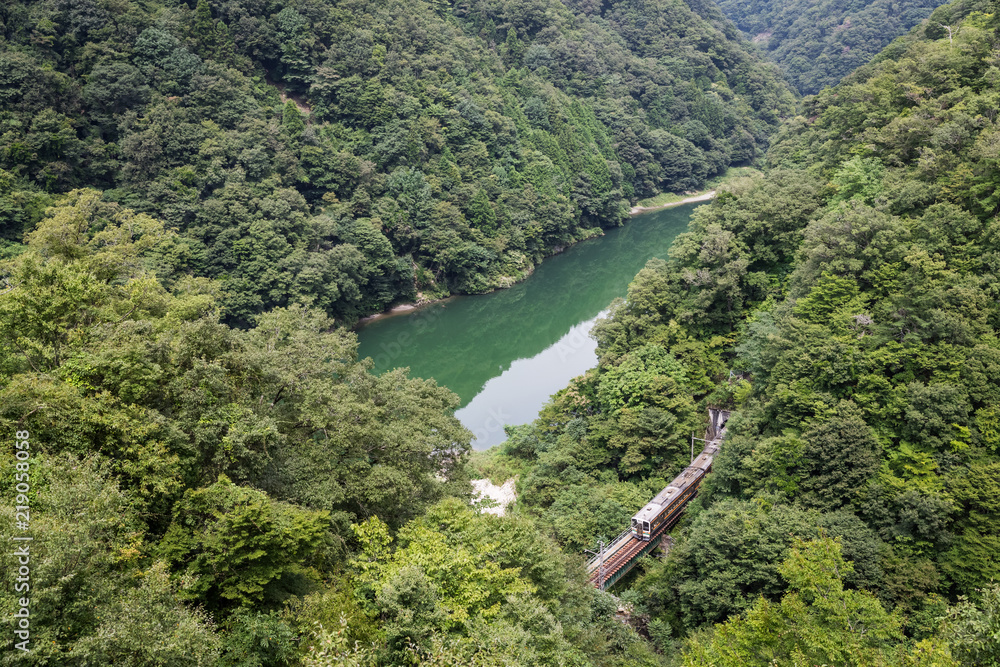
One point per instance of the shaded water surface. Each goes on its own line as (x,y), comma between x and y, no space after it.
(505,353)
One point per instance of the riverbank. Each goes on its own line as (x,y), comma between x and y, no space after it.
(407,308)
(664,200)
(706,196)
(401,309)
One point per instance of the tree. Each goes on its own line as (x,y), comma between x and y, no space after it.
(859,178)
(203,29)
(840,456)
(973,628)
(817,622)
(513,48)
(291,120)
(240,548)
(481,213)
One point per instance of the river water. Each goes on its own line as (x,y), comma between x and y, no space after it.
(506,353)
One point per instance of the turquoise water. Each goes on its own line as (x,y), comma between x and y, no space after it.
(506,353)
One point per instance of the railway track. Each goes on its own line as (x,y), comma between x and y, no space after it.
(660,513)
(622,557)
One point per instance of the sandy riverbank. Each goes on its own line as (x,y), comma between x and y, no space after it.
(636,210)
(400,309)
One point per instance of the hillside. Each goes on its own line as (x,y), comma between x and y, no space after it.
(209,480)
(845,305)
(345,156)
(819,42)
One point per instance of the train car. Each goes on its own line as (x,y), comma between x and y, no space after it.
(706,458)
(643,521)
(667,505)
(670,502)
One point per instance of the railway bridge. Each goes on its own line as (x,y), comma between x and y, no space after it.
(650,524)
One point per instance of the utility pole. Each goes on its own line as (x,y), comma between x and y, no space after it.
(692,445)
(600,567)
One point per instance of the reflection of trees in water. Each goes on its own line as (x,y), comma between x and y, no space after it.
(464,342)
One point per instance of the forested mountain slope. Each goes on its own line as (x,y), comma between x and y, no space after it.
(846,305)
(818,42)
(200,495)
(193,197)
(346,155)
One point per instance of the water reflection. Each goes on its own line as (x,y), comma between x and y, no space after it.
(493,344)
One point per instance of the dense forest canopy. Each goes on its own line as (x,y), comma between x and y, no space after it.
(845,305)
(194,197)
(203,495)
(819,42)
(346,155)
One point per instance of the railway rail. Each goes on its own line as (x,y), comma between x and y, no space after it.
(663,511)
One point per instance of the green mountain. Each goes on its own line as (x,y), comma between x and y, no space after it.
(817,43)
(846,306)
(347,155)
(247,493)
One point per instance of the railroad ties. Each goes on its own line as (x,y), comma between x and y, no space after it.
(617,559)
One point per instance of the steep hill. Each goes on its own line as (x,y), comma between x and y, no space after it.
(818,42)
(845,305)
(347,155)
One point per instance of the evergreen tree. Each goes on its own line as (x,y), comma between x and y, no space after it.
(203,29)
(481,213)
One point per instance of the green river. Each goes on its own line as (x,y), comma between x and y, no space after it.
(507,352)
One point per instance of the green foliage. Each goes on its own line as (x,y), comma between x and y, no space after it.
(149,626)
(142,407)
(731,555)
(90,596)
(819,43)
(851,289)
(257,639)
(859,178)
(817,622)
(264,135)
(100,357)
(465,588)
(240,548)
(840,456)
(867,359)
(828,295)
(972,627)
(972,562)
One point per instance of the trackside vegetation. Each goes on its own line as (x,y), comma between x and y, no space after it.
(196,198)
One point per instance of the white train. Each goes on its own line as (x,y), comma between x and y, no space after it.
(668,504)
